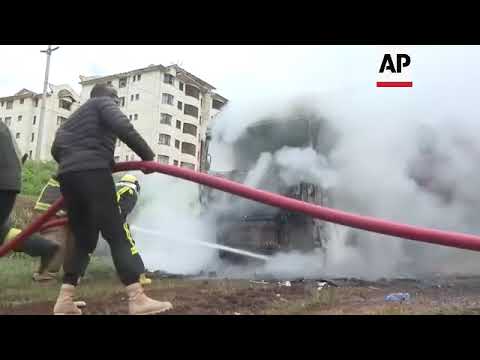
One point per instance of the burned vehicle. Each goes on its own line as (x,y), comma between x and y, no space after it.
(260,228)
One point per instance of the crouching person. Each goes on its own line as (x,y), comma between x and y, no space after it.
(35,246)
(60,235)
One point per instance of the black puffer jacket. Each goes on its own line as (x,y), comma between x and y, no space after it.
(10,167)
(86,141)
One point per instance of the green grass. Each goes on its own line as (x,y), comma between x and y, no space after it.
(18,287)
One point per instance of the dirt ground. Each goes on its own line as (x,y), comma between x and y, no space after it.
(243,297)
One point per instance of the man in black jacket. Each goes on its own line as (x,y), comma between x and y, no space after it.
(84,149)
(10,185)
(10,173)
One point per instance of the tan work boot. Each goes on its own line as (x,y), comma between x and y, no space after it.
(65,304)
(141,304)
(44,276)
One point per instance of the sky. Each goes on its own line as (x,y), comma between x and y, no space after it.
(242,71)
(24,66)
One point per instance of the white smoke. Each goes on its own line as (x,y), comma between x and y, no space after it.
(169,206)
(369,166)
(304,165)
(367,171)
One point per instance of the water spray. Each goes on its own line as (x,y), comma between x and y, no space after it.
(206,244)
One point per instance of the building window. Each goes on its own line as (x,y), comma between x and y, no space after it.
(192,91)
(189,129)
(8,121)
(166,119)
(9,104)
(2,103)
(163,159)
(33,137)
(130,117)
(187,165)
(36,102)
(188,148)
(17,136)
(180,105)
(175,162)
(61,120)
(190,110)
(164,139)
(177,144)
(19,118)
(122,101)
(167,99)
(126,158)
(122,82)
(132,157)
(131,98)
(137,97)
(168,79)
(217,104)
(139,76)
(135,117)
(180,86)
(22,101)
(63,104)
(30,154)
(179,124)
(117,158)
(34,120)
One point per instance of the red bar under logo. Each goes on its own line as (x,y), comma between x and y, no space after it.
(394,84)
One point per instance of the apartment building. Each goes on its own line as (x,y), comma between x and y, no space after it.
(170,107)
(21,113)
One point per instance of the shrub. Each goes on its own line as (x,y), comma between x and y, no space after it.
(35,175)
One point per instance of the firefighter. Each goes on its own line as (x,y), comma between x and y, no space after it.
(84,150)
(35,246)
(128,191)
(61,235)
(10,186)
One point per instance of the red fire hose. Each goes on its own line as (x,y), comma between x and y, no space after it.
(446,238)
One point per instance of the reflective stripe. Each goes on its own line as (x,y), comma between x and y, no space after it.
(43,206)
(130,185)
(53,182)
(122,191)
(133,249)
(12,233)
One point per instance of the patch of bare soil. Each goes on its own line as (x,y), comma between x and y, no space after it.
(230,297)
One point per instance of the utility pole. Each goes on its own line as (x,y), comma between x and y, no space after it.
(44,99)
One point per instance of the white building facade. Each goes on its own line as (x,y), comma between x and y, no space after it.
(168,106)
(21,113)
